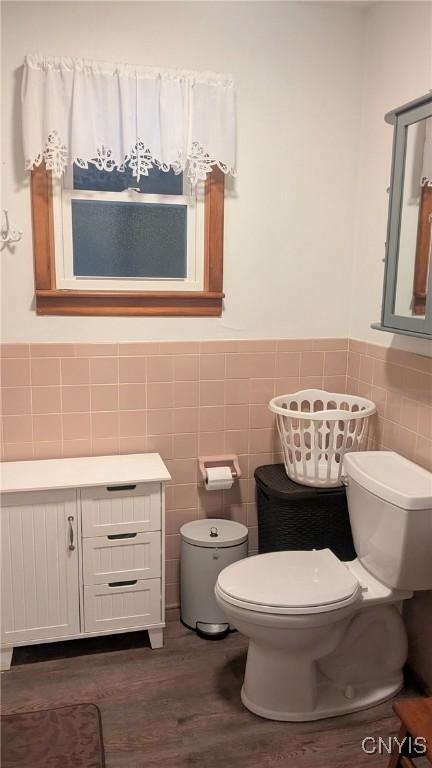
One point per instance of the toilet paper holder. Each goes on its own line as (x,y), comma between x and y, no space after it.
(230,459)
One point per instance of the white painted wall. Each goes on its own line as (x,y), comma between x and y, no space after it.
(306,219)
(289,222)
(397,69)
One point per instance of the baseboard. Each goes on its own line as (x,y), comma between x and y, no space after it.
(172,613)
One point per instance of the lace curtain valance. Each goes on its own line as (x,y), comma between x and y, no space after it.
(119,115)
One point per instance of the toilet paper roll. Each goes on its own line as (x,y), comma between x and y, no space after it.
(218,478)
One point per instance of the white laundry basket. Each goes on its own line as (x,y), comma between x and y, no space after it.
(316,429)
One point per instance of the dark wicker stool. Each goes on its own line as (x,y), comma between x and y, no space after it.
(293,516)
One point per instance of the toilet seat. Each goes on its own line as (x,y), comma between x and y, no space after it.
(289,583)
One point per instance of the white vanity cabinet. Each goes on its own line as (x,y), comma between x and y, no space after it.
(82,549)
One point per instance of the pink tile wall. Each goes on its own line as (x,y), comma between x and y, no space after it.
(400,383)
(184,399)
(181,399)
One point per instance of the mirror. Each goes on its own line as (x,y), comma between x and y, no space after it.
(407,303)
(416,223)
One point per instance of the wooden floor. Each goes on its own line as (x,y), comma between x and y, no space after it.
(180,707)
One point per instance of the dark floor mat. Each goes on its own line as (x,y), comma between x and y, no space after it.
(70,737)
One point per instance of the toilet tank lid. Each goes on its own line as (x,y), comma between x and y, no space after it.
(214,532)
(391,477)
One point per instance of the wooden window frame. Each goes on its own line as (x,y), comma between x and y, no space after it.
(53,301)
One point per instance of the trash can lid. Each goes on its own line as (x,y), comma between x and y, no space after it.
(214,532)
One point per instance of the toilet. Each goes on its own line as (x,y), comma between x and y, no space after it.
(326,637)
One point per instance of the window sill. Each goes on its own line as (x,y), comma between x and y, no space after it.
(131,303)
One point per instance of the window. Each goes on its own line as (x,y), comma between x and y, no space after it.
(116,226)
(106,243)
(114,232)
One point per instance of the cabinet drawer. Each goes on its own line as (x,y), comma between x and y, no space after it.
(117,509)
(122,605)
(131,556)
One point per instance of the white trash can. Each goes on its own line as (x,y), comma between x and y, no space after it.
(207,547)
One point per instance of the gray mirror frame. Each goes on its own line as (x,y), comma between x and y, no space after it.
(401,118)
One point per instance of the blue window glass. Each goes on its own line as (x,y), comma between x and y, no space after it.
(156,183)
(122,239)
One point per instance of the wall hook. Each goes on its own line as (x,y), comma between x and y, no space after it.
(8,234)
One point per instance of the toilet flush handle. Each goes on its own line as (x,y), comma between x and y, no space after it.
(344,480)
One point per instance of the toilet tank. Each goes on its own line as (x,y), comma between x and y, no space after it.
(390,509)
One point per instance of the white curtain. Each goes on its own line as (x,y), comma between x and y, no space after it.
(118,115)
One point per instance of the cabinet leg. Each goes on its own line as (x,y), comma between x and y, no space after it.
(156,638)
(5,659)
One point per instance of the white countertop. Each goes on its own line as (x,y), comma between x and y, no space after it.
(48,474)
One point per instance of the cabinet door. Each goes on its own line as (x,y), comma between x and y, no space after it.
(40,592)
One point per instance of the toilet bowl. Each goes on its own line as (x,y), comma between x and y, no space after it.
(326,637)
